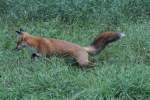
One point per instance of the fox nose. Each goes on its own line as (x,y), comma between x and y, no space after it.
(17,49)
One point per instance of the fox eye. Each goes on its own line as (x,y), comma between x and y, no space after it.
(18,32)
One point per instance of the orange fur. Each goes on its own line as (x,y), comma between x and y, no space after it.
(102,40)
(49,46)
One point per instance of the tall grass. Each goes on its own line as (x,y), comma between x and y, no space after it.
(75,11)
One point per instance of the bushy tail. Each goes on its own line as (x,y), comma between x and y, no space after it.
(102,41)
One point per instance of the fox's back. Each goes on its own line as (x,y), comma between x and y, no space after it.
(53,46)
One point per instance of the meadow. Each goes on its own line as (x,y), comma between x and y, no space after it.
(121,70)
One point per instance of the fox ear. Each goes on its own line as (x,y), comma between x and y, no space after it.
(21,30)
(18,32)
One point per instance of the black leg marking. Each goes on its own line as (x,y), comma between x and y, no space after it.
(34,55)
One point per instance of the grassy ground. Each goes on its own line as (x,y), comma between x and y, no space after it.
(122,70)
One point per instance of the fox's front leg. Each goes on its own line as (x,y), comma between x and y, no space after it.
(19,46)
(35,55)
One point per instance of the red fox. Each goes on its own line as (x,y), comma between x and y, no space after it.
(49,46)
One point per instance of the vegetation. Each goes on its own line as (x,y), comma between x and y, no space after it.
(121,71)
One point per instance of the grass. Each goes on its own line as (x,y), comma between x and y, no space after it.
(75,11)
(121,70)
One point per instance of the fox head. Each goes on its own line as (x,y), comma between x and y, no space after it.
(21,39)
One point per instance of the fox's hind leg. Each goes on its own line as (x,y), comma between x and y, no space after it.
(82,59)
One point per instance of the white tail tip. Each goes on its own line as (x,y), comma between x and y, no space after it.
(122,35)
